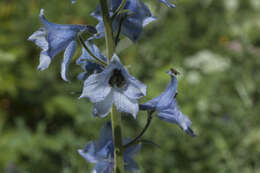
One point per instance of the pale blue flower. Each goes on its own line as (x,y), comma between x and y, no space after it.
(166,107)
(116,86)
(87,62)
(73,1)
(101,153)
(132,26)
(53,39)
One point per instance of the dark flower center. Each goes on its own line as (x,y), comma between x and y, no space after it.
(117,79)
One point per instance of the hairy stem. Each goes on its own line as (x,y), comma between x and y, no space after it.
(115,116)
(136,139)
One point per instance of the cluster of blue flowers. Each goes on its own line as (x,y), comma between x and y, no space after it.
(106,81)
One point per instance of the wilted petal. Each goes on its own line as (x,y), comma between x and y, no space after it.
(68,54)
(103,107)
(167,2)
(125,104)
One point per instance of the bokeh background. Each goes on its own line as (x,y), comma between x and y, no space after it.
(215,44)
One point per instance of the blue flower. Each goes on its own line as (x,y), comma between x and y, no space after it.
(54,38)
(166,107)
(87,62)
(73,1)
(114,85)
(133,22)
(101,153)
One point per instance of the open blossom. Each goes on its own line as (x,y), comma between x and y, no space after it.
(53,39)
(116,86)
(101,153)
(133,21)
(166,107)
(87,62)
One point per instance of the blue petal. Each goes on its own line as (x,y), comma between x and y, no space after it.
(85,60)
(89,152)
(103,167)
(105,135)
(132,150)
(125,104)
(68,54)
(96,87)
(103,107)
(73,1)
(174,115)
(131,165)
(167,2)
(163,100)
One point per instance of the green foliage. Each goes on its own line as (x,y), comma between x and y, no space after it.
(215,44)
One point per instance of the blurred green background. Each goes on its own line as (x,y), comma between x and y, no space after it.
(215,44)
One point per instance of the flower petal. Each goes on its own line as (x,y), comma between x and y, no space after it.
(103,167)
(89,152)
(165,99)
(125,104)
(96,87)
(131,165)
(45,61)
(103,107)
(68,54)
(173,115)
(105,135)
(39,38)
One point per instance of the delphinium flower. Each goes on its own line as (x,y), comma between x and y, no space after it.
(166,106)
(54,38)
(114,85)
(132,22)
(88,63)
(101,153)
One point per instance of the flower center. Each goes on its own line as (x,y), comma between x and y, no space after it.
(117,79)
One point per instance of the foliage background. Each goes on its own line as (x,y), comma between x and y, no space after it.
(214,43)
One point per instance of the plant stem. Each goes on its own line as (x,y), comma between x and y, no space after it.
(115,117)
(98,60)
(117,139)
(108,29)
(136,139)
(120,7)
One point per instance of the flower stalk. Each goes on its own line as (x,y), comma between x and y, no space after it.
(115,116)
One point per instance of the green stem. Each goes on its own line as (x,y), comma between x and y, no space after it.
(108,29)
(120,7)
(136,139)
(99,61)
(117,139)
(115,117)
